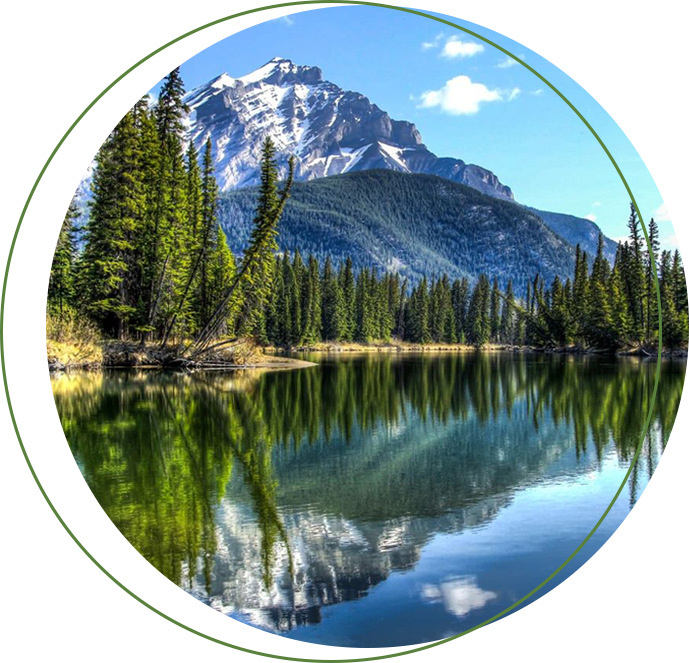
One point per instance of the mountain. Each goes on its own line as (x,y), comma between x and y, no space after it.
(329,130)
(332,133)
(414,224)
(578,231)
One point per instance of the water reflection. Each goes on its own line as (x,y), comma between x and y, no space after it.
(270,496)
(460,596)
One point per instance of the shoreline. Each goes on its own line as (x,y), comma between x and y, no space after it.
(397,347)
(123,356)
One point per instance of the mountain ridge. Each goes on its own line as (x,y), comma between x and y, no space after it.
(330,131)
(417,225)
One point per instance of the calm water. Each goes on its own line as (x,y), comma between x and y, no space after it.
(372,500)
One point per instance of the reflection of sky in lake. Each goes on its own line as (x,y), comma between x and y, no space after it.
(463,579)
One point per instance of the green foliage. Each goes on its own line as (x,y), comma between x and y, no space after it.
(61,287)
(674,310)
(507,331)
(154,262)
(333,308)
(479,313)
(109,275)
(414,225)
(417,327)
(612,306)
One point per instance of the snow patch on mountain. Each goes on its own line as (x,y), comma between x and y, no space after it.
(328,130)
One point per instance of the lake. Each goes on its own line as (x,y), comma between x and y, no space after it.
(374,499)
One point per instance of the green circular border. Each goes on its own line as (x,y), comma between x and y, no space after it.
(56,171)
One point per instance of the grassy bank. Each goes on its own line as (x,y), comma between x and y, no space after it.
(73,348)
(402,346)
(73,344)
(67,357)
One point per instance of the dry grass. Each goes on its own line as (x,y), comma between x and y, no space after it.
(72,341)
(393,346)
(240,353)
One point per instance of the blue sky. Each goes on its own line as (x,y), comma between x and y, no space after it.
(467,99)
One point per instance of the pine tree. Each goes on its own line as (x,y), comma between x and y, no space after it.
(168,265)
(674,325)
(332,322)
(348,287)
(558,316)
(681,303)
(287,305)
(183,312)
(400,326)
(621,320)
(460,308)
(385,295)
(110,287)
(635,275)
(599,322)
(417,314)
(651,294)
(507,323)
(171,109)
(494,311)
(311,331)
(365,302)
(479,312)
(219,271)
(61,285)
(568,298)
(580,292)
(210,236)
(147,239)
(448,330)
(253,280)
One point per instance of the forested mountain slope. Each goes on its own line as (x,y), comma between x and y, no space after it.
(417,225)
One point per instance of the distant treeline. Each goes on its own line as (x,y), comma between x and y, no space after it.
(603,306)
(152,263)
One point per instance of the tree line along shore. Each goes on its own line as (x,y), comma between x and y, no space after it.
(149,278)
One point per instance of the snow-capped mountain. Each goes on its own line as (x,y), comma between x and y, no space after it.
(334,132)
(329,130)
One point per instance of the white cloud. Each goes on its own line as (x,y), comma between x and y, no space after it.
(677,213)
(591,217)
(506,63)
(669,243)
(460,595)
(456,48)
(427,45)
(461,96)
(453,47)
(596,204)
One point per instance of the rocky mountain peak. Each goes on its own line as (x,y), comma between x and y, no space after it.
(329,130)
